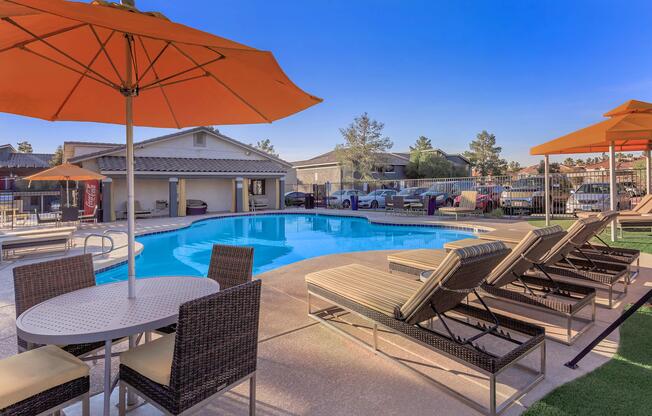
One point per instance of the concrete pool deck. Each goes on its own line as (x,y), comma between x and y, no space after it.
(305,368)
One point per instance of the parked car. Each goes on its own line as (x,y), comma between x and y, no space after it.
(446,192)
(488,197)
(526,195)
(412,196)
(342,198)
(375,199)
(596,197)
(295,199)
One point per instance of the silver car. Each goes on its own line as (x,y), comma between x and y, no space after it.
(595,197)
(342,198)
(375,199)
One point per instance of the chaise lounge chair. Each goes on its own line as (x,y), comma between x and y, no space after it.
(33,239)
(139,212)
(643,207)
(403,306)
(509,282)
(467,205)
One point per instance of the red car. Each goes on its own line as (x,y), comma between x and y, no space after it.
(488,197)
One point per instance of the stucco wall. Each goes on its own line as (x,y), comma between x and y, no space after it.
(146,191)
(330,174)
(217,193)
(183,146)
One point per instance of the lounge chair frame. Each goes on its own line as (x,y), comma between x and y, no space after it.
(487,364)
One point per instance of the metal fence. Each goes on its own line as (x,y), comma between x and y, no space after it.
(499,195)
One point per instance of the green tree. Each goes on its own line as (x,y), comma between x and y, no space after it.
(554,167)
(484,155)
(25,147)
(422,143)
(57,157)
(579,162)
(363,147)
(266,146)
(513,166)
(428,164)
(569,161)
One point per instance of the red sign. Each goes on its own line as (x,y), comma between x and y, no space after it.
(91,196)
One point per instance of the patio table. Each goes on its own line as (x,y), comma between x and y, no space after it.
(104,313)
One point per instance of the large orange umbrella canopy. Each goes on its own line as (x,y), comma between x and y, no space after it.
(628,128)
(65,172)
(62,60)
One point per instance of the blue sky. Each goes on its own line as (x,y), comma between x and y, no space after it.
(527,71)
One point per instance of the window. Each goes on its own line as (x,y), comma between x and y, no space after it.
(199,139)
(257,187)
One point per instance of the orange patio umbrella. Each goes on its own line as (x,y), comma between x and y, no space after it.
(628,128)
(65,172)
(111,63)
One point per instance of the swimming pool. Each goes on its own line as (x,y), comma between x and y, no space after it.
(278,240)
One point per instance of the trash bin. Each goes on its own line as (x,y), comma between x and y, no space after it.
(309,203)
(354,202)
(432,204)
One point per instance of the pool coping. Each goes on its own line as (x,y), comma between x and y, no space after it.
(122,260)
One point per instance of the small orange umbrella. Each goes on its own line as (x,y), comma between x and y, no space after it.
(111,63)
(65,172)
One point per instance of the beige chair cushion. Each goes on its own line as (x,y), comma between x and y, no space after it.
(468,242)
(533,247)
(152,360)
(32,372)
(374,289)
(422,259)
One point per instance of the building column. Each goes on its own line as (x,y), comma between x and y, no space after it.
(108,214)
(245,195)
(281,193)
(181,210)
(648,171)
(546,184)
(612,187)
(173,197)
(239,197)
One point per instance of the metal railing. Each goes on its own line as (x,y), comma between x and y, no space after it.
(102,237)
(569,192)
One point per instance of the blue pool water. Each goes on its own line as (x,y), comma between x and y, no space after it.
(278,240)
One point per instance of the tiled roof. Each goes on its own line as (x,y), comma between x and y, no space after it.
(177,164)
(26,160)
(330,157)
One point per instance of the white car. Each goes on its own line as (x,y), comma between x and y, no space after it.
(375,199)
(594,197)
(342,198)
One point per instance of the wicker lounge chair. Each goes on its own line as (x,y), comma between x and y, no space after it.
(38,282)
(49,220)
(214,350)
(398,205)
(643,207)
(229,266)
(562,265)
(467,205)
(642,222)
(43,381)
(403,306)
(139,212)
(508,281)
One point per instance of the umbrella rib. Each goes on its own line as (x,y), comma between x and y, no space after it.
(156,58)
(151,65)
(44,36)
(103,50)
(222,83)
(45,42)
(74,88)
(47,58)
(167,84)
(185,71)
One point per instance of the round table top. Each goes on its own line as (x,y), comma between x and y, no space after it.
(104,312)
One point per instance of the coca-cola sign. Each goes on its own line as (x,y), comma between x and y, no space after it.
(91,196)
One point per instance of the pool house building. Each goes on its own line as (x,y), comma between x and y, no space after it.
(189,172)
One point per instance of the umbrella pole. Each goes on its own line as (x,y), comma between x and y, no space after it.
(612,187)
(131,218)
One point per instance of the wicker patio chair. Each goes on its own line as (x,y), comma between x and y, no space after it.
(214,349)
(405,307)
(229,266)
(38,282)
(468,205)
(510,281)
(42,381)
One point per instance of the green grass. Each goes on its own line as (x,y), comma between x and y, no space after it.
(637,240)
(623,386)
